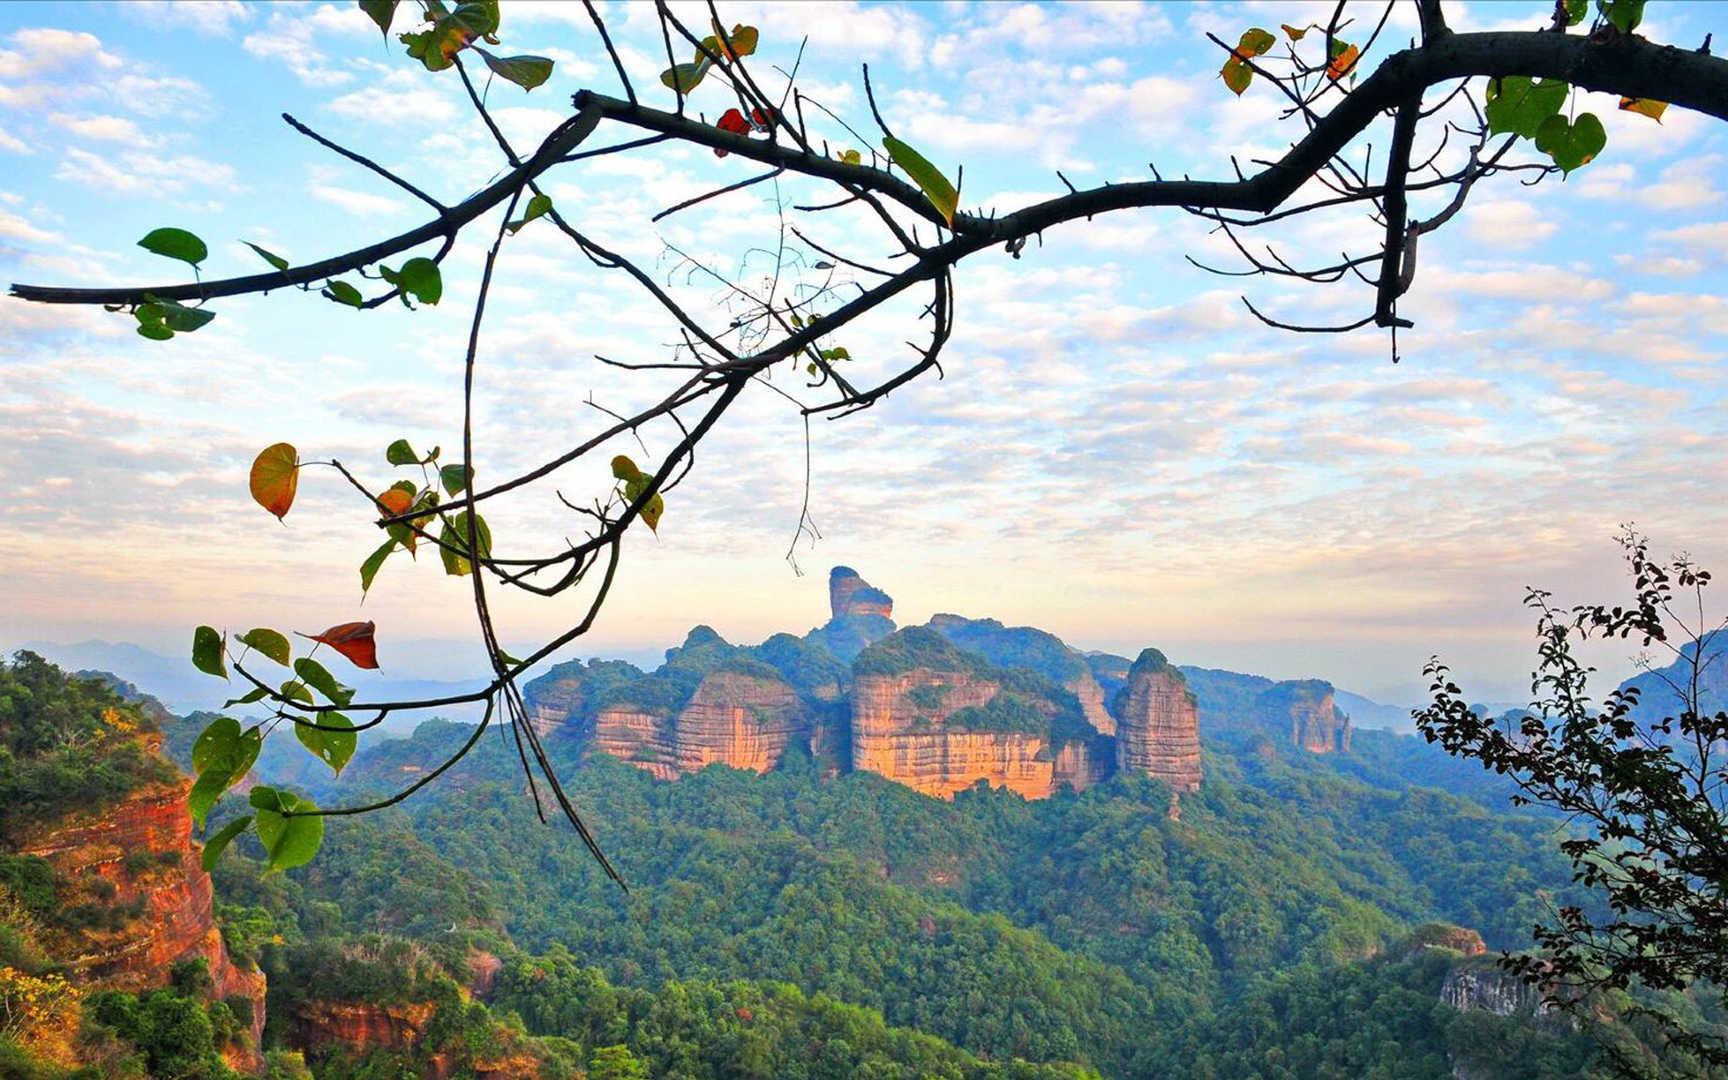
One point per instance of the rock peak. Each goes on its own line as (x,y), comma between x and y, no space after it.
(851,595)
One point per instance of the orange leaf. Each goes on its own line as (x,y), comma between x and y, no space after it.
(353,640)
(1645,107)
(275,476)
(1295,34)
(1342,63)
(396,501)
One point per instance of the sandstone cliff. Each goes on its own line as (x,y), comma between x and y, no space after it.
(134,867)
(710,703)
(1158,724)
(1306,707)
(354,1029)
(851,595)
(938,720)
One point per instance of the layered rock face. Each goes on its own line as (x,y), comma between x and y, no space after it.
(850,595)
(562,699)
(899,729)
(138,855)
(735,719)
(1080,763)
(1315,721)
(1482,985)
(1158,724)
(1086,690)
(358,1027)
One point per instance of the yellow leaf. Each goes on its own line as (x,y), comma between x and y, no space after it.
(1645,107)
(1342,63)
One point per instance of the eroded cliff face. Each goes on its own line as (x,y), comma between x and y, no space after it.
(1481,985)
(553,703)
(354,1028)
(1316,723)
(740,720)
(1091,697)
(903,728)
(1158,724)
(137,858)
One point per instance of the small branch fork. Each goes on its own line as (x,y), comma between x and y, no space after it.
(808,298)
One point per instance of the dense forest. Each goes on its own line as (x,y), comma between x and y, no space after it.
(800,924)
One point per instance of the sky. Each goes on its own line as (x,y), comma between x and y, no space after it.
(1117,451)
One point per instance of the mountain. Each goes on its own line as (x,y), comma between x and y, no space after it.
(182,687)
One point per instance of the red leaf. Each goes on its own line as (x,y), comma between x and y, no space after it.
(733,121)
(758,119)
(353,640)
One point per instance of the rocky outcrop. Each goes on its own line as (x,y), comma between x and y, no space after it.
(1035,650)
(1481,984)
(937,719)
(1086,690)
(1158,724)
(1080,763)
(136,861)
(563,699)
(1314,720)
(742,720)
(851,596)
(1445,936)
(357,1028)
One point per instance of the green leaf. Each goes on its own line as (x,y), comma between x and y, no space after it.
(537,206)
(420,278)
(183,319)
(268,642)
(295,690)
(686,77)
(289,841)
(1576,10)
(333,748)
(1624,14)
(1236,75)
(216,845)
(155,331)
(270,257)
(220,738)
(175,244)
(929,179)
(343,293)
(255,694)
(400,453)
(1520,105)
(1572,145)
(653,508)
(375,561)
(455,478)
(525,71)
(453,543)
(382,12)
(207,647)
(222,755)
(318,677)
(1255,42)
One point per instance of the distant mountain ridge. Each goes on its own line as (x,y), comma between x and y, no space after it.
(938,708)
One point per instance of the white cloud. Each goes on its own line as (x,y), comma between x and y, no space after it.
(217,18)
(142,170)
(109,128)
(361,203)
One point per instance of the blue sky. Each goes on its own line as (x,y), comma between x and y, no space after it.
(1117,452)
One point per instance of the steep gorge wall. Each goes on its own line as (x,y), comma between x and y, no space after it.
(138,856)
(1315,722)
(899,729)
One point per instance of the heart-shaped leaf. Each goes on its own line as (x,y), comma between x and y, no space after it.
(290,832)
(275,478)
(525,71)
(333,748)
(1519,105)
(1571,145)
(216,845)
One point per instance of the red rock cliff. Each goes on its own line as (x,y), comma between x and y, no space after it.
(900,730)
(139,855)
(744,721)
(1158,724)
